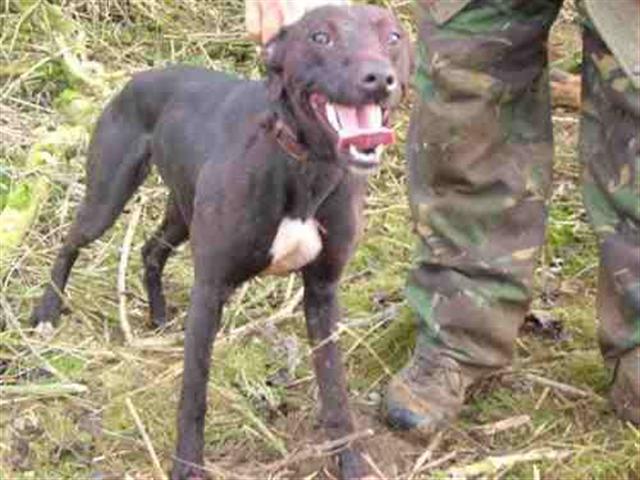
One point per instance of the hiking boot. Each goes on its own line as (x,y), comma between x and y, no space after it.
(625,391)
(427,394)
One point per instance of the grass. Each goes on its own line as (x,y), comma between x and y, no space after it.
(262,396)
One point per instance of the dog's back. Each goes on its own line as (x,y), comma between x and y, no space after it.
(147,94)
(159,116)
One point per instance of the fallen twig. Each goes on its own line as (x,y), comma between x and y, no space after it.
(222,473)
(332,446)
(159,472)
(15,325)
(122,273)
(542,398)
(563,387)
(43,389)
(426,455)
(372,464)
(503,425)
(324,449)
(492,465)
(437,462)
(167,341)
(280,315)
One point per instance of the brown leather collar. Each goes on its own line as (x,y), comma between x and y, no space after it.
(287,139)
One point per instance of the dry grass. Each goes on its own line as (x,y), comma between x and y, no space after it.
(67,415)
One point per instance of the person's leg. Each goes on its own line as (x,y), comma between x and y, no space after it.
(610,152)
(479,152)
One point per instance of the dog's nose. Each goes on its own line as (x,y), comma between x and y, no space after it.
(377,77)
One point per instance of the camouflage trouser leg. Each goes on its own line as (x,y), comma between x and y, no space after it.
(480,152)
(610,152)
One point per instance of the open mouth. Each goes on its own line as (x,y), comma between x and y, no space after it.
(361,131)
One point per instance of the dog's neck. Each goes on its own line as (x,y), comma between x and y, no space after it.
(285,129)
(309,185)
(288,140)
(313,176)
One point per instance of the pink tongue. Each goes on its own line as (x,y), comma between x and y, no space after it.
(362,127)
(367,140)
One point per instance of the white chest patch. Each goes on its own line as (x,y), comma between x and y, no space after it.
(296,244)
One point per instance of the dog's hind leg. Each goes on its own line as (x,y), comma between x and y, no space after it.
(172,232)
(115,169)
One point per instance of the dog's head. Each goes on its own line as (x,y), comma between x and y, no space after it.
(338,72)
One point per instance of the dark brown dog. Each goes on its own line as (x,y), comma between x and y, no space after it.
(263,178)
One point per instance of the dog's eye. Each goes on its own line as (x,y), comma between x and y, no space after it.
(321,38)
(394,38)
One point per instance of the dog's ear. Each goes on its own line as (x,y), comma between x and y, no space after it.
(273,57)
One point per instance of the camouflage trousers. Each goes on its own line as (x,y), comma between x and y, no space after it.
(480,163)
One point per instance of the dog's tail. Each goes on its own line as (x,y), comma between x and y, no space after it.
(118,159)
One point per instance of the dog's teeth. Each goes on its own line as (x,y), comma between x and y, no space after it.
(376,116)
(361,156)
(366,162)
(332,116)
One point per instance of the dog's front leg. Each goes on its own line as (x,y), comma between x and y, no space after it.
(202,325)
(322,313)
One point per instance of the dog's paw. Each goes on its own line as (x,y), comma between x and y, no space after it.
(47,312)
(188,472)
(46,330)
(158,322)
(353,467)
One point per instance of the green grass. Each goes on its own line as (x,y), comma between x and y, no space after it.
(253,417)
